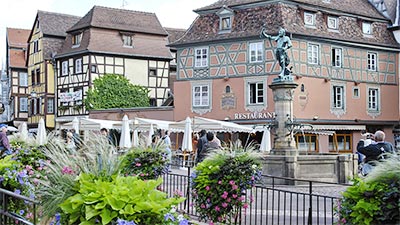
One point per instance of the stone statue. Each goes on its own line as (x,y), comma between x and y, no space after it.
(283,44)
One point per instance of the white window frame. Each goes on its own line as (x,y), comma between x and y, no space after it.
(127,41)
(50,105)
(338,98)
(256,106)
(223,25)
(23,104)
(259,92)
(256,52)
(332,22)
(201,95)
(23,79)
(337,54)
(201,57)
(309,18)
(313,54)
(372,61)
(373,100)
(76,40)
(366,28)
(64,68)
(78,65)
(354,90)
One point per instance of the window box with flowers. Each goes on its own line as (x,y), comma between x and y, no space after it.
(219,184)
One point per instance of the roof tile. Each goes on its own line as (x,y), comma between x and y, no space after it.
(55,24)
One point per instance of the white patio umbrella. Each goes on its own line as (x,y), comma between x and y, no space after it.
(187,136)
(135,138)
(23,132)
(75,124)
(41,137)
(151,132)
(125,141)
(265,145)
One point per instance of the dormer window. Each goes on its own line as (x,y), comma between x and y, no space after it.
(225,19)
(366,28)
(332,22)
(127,40)
(309,18)
(76,40)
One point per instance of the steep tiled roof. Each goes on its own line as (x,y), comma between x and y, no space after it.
(55,24)
(120,19)
(17,37)
(247,23)
(356,7)
(17,58)
(392,8)
(174,34)
(51,46)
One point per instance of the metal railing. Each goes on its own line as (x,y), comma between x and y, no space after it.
(9,214)
(306,202)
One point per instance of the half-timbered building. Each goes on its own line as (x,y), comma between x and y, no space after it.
(344,59)
(111,41)
(45,41)
(17,43)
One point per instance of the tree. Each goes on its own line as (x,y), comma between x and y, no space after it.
(115,91)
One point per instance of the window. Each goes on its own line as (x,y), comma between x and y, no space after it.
(373,99)
(356,92)
(309,18)
(23,79)
(340,142)
(76,40)
(50,105)
(93,69)
(371,61)
(38,76)
(226,23)
(35,106)
(227,89)
(127,40)
(256,52)
(332,22)
(201,95)
(256,93)
(366,28)
(152,72)
(337,57)
(338,97)
(153,102)
(35,46)
(313,53)
(78,66)
(307,142)
(33,77)
(23,104)
(64,68)
(201,57)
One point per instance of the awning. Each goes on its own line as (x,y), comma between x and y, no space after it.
(338,127)
(200,123)
(317,132)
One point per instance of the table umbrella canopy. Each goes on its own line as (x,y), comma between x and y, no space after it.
(93,124)
(200,123)
(187,136)
(125,141)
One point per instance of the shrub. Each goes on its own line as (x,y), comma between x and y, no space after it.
(219,184)
(374,200)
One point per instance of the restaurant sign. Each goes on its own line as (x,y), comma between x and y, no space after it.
(71,96)
(254,115)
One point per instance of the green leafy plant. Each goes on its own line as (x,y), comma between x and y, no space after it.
(375,199)
(127,198)
(115,91)
(219,183)
(145,162)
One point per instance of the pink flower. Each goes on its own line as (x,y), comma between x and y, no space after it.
(211,223)
(138,164)
(228,200)
(217,208)
(232,182)
(245,205)
(234,196)
(202,206)
(208,188)
(29,216)
(28,167)
(67,170)
(219,182)
(234,187)
(224,204)
(241,198)
(224,195)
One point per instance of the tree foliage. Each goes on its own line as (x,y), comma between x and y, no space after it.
(115,91)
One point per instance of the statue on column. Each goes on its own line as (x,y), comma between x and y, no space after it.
(283,44)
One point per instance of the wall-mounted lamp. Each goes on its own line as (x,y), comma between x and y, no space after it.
(315,118)
(226,78)
(356,120)
(327,79)
(33,94)
(356,83)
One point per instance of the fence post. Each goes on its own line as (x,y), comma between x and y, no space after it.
(188,191)
(310,207)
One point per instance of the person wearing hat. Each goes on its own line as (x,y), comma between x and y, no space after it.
(5,147)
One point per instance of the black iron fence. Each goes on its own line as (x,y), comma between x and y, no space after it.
(274,203)
(12,212)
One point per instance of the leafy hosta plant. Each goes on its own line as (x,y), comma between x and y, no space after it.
(103,201)
(219,183)
(374,199)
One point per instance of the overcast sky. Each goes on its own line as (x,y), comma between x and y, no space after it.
(21,13)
